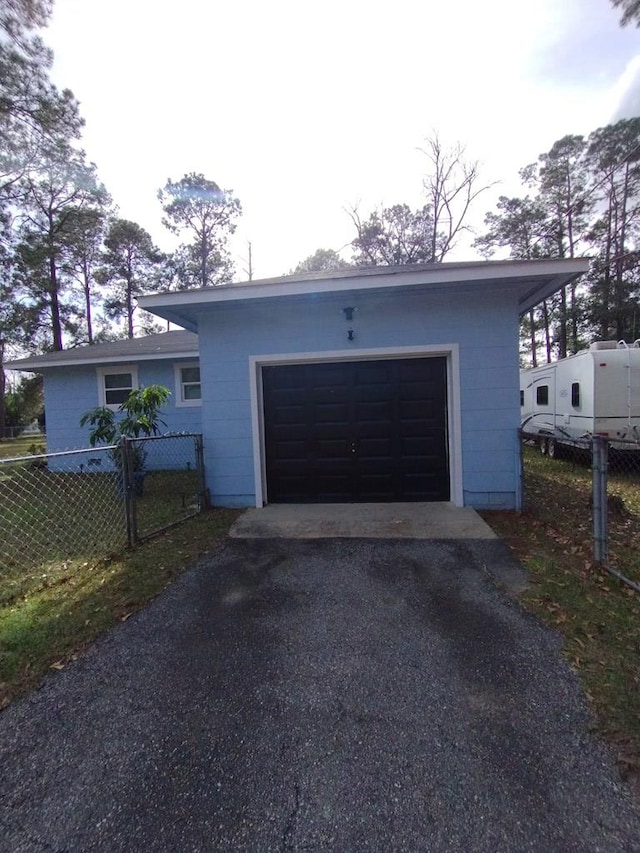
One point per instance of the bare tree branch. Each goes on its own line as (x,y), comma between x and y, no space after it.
(451,186)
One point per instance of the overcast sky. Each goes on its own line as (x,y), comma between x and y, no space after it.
(304,109)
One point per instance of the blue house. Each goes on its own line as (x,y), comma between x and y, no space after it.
(379,384)
(80,379)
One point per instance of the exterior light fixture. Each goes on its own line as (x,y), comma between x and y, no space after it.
(348,312)
(351,334)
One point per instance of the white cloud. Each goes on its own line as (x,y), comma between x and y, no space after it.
(304,109)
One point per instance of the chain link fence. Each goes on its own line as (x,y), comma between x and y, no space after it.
(166,477)
(588,495)
(83,504)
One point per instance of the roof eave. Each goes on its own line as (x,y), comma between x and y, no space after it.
(546,277)
(538,293)
(35,365)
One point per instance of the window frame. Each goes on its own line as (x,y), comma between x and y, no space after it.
(179,400)
(103,372)
(539,390)
(575,395)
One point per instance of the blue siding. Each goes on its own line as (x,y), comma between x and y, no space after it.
(484,324)
(71,391)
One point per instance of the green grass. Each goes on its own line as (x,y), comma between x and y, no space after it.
(24,445)
(598,616)
(48,621)
(558,492)
(48,517)
(168,496)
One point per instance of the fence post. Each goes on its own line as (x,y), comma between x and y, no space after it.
(202,489)
(520,493)
(128,488)
(600,457)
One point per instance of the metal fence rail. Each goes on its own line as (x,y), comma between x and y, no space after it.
(82,504)
(592,494)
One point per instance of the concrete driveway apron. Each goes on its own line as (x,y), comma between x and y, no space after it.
(339,694)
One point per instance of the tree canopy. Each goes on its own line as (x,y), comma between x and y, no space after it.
(630,11)
(131,265)
(393,235)
(399,235)
(583,198)
(197,208)
(322,260)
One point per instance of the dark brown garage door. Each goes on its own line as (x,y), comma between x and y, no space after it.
(356,431)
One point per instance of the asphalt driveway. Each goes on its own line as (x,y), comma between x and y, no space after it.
(340,694)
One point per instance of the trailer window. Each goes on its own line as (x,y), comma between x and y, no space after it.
(522,398)
(542,395)
(575,395)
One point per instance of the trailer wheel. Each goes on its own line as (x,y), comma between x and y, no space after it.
(552,449)
(543,446)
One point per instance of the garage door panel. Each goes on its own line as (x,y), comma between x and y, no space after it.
(411,410)
(374,391)
(291,450)
(374,410)
(288,415)
(330,412)
(330,448)
(374,448)
(356,431)
(422,429)
(371,372)
(420,446)
(326,432)
(420,392)
(288,378)
(332,488)
(289,432)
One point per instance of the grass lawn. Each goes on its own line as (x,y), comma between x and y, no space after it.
(25,445)
(167,497)
(48,620)
(48,517)
(598,616)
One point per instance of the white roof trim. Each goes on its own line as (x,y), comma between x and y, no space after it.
(36,364)
(371,279)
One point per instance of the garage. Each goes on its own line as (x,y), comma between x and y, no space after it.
(356,431)
(382,384)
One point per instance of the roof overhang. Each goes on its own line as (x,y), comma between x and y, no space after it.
(37,363)
(532,281)
(168,345)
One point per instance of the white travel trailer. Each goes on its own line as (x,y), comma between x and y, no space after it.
(594,392)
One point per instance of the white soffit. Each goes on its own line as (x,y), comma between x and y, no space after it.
(533,280)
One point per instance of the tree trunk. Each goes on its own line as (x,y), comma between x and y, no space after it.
(605,306)
(129,308)
(574,319)
(54,302)
(562,343)
(87,300)
(547,331)
(203,262)
(620,307)
(534,348)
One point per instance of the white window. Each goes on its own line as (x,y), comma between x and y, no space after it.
(188,389)
(115,384)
